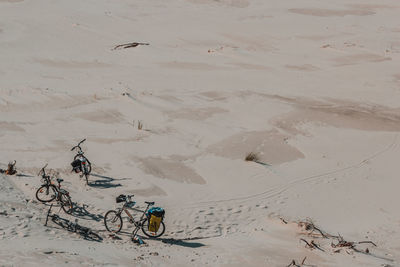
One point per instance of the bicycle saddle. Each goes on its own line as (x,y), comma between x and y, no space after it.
(60,180)
(150,203)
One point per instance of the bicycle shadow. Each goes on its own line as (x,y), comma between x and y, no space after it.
(170,241)
(105,182)
(69,229)
(23,175)
(116,236)
(82,213)
(179,242)
(70,226)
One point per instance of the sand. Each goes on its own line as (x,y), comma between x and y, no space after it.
(312,87)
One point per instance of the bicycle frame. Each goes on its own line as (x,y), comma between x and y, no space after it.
(58,188)
(47,181)
(132,220)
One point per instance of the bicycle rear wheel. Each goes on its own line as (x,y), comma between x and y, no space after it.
(66,203)
(113,221)
(158,233)
(46,193)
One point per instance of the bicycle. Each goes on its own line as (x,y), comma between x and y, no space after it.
(86,232)
(81,163)
(113,220)
(49,192)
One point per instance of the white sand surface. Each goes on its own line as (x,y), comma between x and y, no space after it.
(312,87)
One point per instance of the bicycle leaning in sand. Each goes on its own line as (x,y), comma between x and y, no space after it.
(81,163)
(48,192)
(151,226)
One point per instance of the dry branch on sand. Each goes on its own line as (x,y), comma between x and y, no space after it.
(283,220)
(311,245)
(351,245)
(338,242)
(128,45)
(309,226)
(341,243)
(293,263)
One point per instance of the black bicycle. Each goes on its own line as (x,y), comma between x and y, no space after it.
(49,192)
(113,220)
(81,164)
(86,232)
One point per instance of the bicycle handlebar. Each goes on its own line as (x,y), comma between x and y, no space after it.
(79,145)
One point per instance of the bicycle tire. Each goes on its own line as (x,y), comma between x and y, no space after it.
(145,229)
(66,203)
(47,190)
(89,165)
(111,218)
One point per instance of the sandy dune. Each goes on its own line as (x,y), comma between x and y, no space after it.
(312,87)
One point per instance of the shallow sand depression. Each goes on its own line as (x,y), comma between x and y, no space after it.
(270,146)
(310,87)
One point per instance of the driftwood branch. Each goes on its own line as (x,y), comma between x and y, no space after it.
(351,245)
(338,243)
(369,242)
(128,45)
(312,244)
(293,263)
(283,220)
(310,226)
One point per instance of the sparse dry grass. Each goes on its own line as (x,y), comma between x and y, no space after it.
(252,157)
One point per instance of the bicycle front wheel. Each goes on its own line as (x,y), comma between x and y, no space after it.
(46,193)
(66,203)
(113,221)
(89,166)
(158,233)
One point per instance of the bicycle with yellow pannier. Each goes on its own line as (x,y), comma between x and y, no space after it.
(150,222)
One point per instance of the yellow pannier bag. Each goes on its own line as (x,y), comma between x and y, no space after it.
(154,223)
